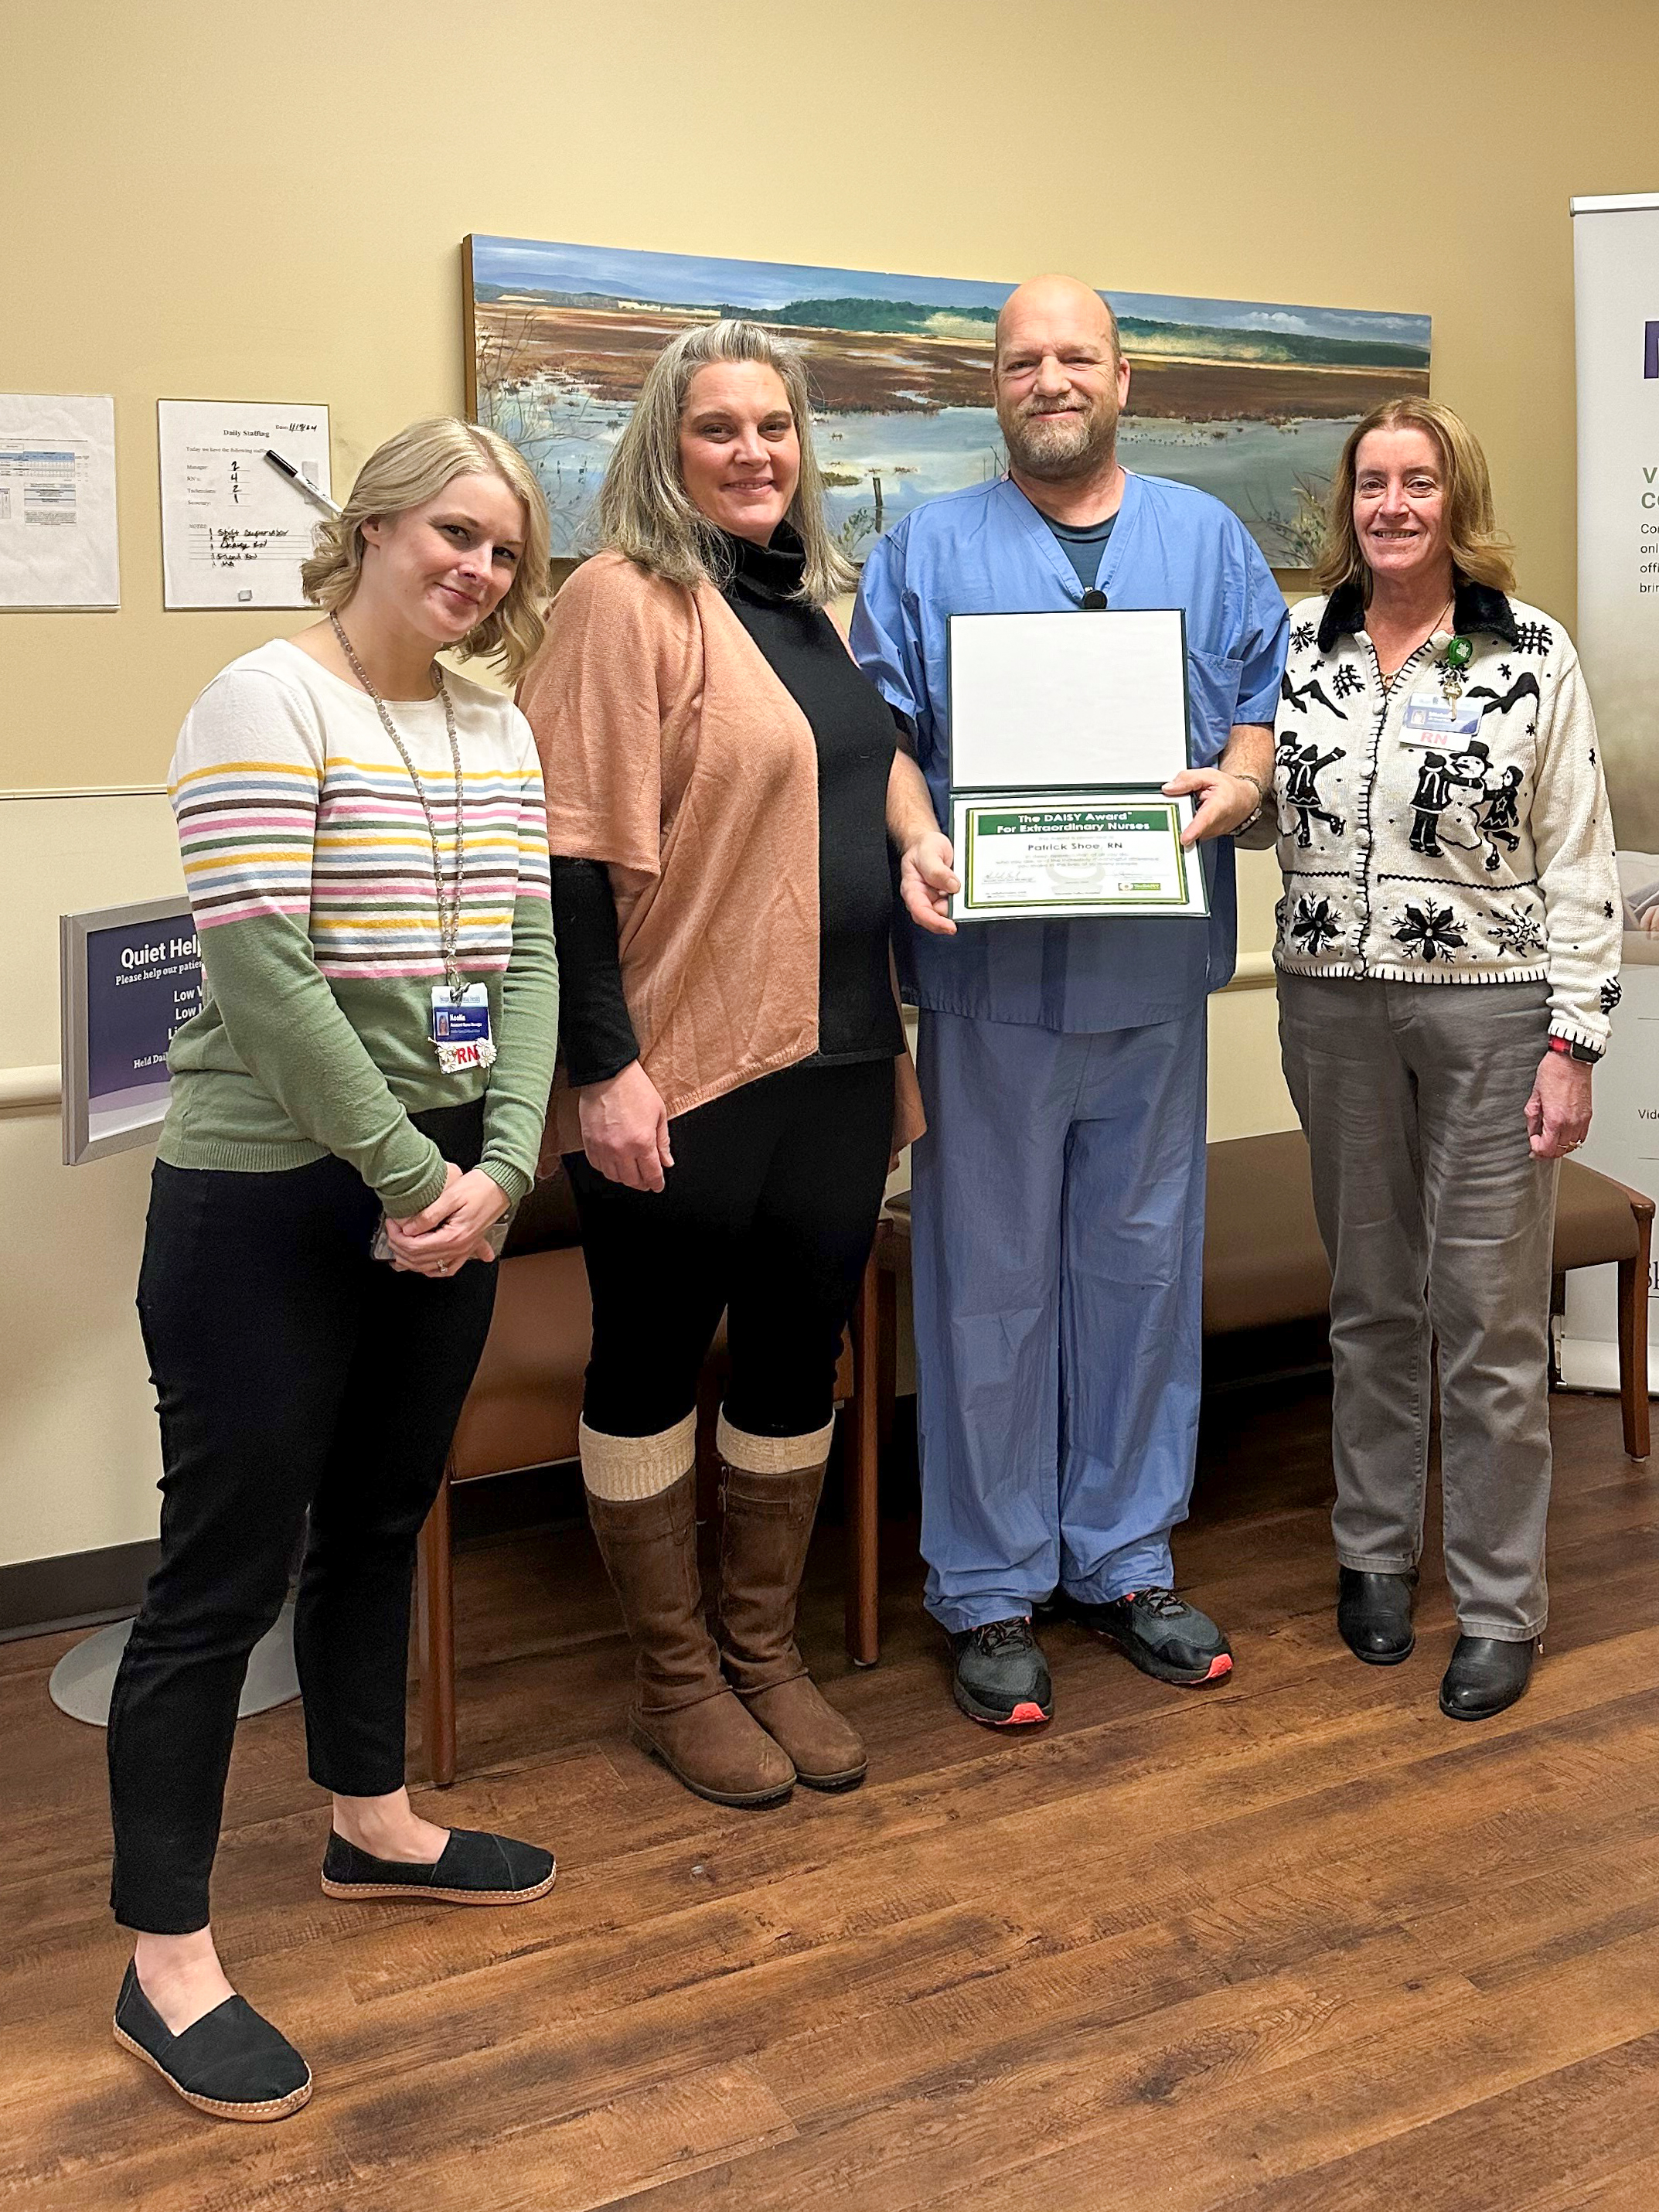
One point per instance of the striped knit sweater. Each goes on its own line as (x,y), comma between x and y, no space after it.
(309,867)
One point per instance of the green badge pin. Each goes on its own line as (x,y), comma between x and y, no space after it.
(1459,652)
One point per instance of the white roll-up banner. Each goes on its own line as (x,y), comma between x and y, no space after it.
(1616,292)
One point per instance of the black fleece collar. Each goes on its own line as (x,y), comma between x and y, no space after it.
(770,575)
(1474,606)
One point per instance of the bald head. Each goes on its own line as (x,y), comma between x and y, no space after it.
(1059,381)
(1045,304)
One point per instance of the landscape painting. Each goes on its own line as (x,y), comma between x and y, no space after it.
(1246,399)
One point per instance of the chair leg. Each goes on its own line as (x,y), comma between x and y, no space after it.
(436,1615)
(886,1356)
(1633,1346)
(862,1416)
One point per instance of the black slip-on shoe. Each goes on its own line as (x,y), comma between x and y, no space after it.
(231,2063)
(1002,1677)
(1487,1674)
(1374,1615)
(1163,1635)
(472,1868)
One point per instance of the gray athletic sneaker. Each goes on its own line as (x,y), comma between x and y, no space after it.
(1001,1676)
(1163,1635)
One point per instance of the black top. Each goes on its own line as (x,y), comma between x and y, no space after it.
(854,732)
(595,1034)
(1082,544)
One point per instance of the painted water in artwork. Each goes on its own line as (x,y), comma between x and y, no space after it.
(1246,399)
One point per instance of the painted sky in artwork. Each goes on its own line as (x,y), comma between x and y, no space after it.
(1248,399)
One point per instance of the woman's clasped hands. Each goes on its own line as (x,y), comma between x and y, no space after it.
(444,1236)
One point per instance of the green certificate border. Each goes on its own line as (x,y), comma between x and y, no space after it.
(1056,804)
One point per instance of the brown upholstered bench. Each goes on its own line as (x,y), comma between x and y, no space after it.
(1264,1265)
(522,1412)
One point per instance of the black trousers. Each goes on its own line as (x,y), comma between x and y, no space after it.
(295,1378)
(768,1214)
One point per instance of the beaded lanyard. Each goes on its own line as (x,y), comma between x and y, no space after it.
(449,904)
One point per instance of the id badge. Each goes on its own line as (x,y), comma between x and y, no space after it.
(1431,719)
(460,1028)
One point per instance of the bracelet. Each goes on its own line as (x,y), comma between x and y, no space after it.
(1243,776)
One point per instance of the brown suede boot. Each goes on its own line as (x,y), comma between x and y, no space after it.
(683,1711)
(770,1509)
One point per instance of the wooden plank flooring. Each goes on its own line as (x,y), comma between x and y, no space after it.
(1296,1944)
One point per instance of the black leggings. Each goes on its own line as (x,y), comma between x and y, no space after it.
(293,1374)
(768,1213)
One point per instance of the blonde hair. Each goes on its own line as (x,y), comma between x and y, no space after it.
(645,511)
(1479,551)
(405,473)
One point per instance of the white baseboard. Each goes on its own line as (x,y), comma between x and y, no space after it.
(1586,1362)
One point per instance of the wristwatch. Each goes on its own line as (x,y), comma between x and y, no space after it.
(1574,1050)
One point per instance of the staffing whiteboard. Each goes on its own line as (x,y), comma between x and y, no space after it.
(234,529)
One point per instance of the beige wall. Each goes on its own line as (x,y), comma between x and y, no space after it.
(267,202)
(78,1457)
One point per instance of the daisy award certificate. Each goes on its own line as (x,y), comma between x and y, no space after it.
(1098,852)
(1063,729)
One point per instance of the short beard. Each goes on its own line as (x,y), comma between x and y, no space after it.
(1052,451)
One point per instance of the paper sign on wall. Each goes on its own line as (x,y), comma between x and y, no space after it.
(234,529)
(58,543)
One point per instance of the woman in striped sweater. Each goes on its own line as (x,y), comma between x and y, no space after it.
(365,844)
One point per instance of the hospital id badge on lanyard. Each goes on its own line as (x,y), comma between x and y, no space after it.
(1432,719)
(460,1028)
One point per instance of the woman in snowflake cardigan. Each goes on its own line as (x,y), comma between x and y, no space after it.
(364,836)
(1442,821)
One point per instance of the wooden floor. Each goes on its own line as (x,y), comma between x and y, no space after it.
(1297,1944)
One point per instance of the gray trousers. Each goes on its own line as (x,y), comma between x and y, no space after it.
(1438,1223)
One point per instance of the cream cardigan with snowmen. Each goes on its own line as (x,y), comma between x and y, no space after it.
(1472,859)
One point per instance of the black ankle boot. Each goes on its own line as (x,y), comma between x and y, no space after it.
(1374,1615)
(1486,1673)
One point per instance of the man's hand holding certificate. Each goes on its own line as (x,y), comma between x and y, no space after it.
(1066,729)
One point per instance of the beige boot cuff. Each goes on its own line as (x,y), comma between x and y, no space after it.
(624,1467)
(772,1454)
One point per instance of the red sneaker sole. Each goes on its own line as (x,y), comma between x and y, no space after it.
(1217,1670)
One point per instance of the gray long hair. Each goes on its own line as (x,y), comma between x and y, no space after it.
(644,510)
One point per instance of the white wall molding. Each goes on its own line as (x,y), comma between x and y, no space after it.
(95,791)
(31,1090)
(1255,972)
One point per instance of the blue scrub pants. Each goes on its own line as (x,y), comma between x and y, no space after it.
(1058,1215)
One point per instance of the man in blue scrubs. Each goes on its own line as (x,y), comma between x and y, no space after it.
(1059,1193)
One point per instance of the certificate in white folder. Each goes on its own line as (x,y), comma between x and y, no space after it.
(1063,729)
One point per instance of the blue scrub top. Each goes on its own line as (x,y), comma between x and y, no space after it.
(988,550)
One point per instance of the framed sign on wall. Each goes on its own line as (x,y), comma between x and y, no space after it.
(130,977)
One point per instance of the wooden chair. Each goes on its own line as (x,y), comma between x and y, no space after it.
(523,1409)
